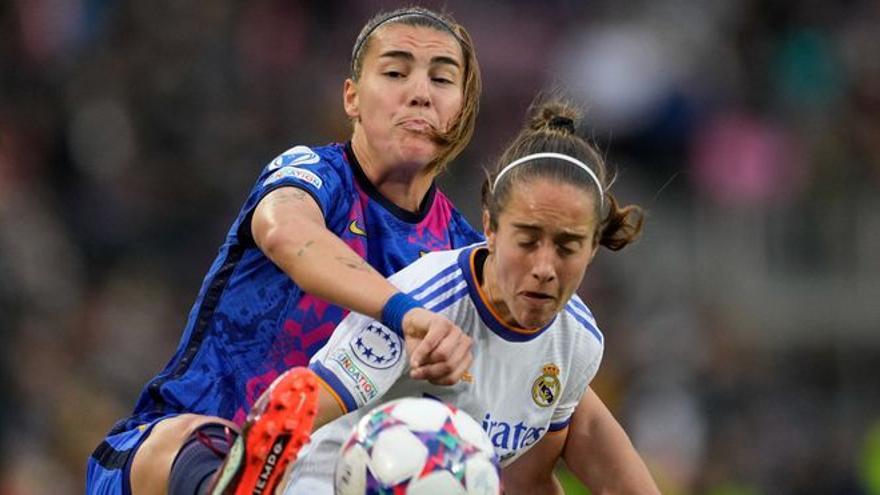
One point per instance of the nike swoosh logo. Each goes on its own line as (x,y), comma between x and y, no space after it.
(354,229)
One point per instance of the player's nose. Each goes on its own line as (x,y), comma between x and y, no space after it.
(420,95)
(543,264)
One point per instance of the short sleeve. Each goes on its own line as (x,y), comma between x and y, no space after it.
(360,362)
(573,392)
(299,167)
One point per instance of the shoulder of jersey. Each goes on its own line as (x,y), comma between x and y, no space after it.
(430,267)
(433,262)
(446,257)
(298,156)
(302,162)
(576,310)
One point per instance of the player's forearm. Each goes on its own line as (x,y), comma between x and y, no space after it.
(601,455)
(324,266)
(288,226)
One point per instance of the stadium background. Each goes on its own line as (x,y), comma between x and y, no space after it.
(742,331)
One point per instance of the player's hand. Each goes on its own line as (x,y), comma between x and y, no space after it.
(438,350)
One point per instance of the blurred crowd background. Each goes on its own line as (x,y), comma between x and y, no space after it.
(743,330)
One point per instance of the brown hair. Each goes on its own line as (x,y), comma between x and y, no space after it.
(551,127)
(457,137)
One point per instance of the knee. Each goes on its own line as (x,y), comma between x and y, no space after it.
(189,423)
(152,461)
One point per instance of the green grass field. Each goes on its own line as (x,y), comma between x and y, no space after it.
(569,483)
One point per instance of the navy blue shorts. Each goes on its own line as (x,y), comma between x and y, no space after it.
(109,467)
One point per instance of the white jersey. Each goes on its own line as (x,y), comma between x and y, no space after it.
(521,385)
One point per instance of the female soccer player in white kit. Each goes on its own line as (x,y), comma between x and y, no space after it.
(547,209)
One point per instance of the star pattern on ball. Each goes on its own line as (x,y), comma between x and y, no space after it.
(445,451)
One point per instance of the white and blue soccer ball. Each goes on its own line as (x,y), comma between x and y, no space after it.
(417,447)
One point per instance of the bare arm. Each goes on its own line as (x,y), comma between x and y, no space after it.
(329,407)
(533,472)
(599,453)
(288,226)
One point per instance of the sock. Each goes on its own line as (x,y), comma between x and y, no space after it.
(199,458)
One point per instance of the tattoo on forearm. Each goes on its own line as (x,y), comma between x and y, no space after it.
(355,263)
(301,251)
(288,194)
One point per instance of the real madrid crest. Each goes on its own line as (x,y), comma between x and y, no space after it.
(546,388)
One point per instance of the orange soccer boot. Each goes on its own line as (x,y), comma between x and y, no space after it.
(277,427)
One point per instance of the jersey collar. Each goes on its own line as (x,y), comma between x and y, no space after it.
(367,187)
(466,260)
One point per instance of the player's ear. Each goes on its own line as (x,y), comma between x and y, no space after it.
(487,229)
(350,99)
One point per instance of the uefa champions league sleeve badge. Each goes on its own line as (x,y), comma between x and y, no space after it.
(377,346)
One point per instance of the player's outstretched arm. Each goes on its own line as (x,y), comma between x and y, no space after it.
(533,471)
(288,227)
(599,453)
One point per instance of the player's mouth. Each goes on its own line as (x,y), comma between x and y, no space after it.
(418,125)
(537,298)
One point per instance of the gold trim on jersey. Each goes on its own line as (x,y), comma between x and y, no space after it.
(488,304)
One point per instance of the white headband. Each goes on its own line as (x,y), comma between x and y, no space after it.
(558,156)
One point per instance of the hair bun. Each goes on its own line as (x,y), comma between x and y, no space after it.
(561,123)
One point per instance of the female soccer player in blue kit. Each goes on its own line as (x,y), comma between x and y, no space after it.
(318,232)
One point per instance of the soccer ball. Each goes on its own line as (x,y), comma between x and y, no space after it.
(417,447)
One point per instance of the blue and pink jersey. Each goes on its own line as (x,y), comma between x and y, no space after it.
(251,322)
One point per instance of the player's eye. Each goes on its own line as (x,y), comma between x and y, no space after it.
(569,248)
(565,250)
(443,74)
(393,74)
(527,243)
